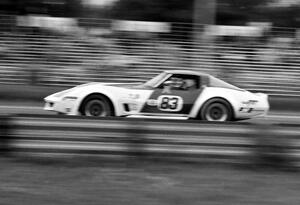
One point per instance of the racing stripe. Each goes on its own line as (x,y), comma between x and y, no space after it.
(189,97)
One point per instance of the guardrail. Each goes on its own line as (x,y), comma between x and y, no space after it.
(172,139)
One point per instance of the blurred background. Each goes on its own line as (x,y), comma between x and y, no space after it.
(49,44)
(253,44)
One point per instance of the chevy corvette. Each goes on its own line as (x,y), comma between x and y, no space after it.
(178,94)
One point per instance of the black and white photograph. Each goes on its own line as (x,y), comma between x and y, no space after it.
(149,102)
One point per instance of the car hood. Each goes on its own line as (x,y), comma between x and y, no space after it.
(93,85)
(120,85)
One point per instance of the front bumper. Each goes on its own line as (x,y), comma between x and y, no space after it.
(62,105)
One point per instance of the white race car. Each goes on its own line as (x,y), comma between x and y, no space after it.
(177,94)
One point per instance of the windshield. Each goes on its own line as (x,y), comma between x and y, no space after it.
(154,81)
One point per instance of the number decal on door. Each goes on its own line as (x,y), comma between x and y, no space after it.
(170,103)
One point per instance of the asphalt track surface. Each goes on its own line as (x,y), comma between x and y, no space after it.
(18,107)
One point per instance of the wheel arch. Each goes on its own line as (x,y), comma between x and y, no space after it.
(217,98)
(96,94)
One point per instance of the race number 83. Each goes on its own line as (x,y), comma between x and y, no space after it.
(170,103)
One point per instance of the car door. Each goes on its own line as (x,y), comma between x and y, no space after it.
(176,95)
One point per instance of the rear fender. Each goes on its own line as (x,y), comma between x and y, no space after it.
(210,93)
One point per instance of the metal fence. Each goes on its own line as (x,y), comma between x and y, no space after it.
(270,63)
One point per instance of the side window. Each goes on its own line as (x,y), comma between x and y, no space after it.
(182,82)
(190,84)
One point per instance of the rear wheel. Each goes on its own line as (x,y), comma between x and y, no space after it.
(96,106)
(216,110)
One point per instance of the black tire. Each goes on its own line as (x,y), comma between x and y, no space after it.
(216,110)
(96,106)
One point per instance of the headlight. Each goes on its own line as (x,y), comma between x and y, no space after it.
(70,98)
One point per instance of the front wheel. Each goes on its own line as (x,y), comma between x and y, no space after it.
(96,106)
(216,110)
